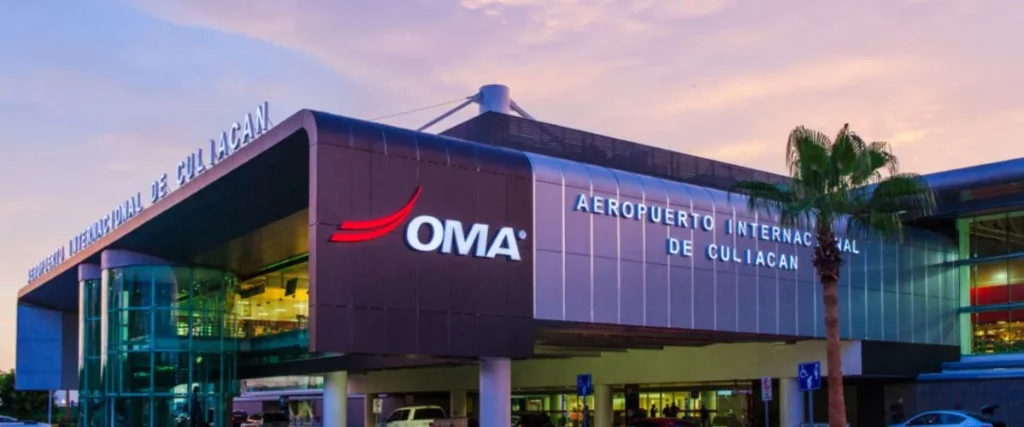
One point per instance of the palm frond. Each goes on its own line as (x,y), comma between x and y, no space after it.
(892,201)
(774,200)
(877,162)
(842,180)
(807,152)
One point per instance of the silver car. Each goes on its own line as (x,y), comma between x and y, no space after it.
(951,419)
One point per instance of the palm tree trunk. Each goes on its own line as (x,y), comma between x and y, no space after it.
(833,355)
(827,261)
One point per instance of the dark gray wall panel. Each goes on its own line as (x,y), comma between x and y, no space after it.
(617,269)
(429,303)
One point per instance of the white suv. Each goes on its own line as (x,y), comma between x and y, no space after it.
(415,416)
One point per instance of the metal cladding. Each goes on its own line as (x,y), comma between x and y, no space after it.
(698,260)
(431,245)
(446,272)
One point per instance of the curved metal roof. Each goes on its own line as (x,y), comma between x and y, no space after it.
(978,189)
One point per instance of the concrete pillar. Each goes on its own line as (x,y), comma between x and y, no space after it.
(495,392)
(336,399)
(791,403)
(457,403)
(603,405)
(369,418)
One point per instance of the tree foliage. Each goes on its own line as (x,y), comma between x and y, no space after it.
(845,181)
(27,405)
(842,182)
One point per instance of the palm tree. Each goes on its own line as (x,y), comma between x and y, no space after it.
(836,182)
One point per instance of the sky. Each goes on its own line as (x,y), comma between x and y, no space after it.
(100,97)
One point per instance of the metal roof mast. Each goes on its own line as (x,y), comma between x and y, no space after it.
(493,97)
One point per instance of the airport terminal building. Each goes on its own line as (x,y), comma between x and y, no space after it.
(484,268)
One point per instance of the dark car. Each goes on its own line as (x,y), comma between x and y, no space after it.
(532,420)
(664,422)
(238,417)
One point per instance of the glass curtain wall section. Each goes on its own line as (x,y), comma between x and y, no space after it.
(167,350)
(91,402)
(275,304)
(992,277)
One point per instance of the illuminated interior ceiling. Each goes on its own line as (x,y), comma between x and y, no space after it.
(279,296)
(247,255)
(1000,273)
(1009,229)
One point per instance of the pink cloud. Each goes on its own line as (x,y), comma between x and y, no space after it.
(689,75)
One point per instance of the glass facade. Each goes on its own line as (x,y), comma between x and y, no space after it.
(274,303)
(726,404)
(159,346)
(992,278)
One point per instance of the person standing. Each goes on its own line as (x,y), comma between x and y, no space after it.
(285,403)
(195,414)
(705,416)
(896,411)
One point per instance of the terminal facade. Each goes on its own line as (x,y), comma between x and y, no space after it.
(336,261)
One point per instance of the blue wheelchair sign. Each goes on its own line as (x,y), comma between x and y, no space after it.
(584,385)
(809,376)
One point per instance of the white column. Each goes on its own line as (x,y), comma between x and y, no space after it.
(495,392)
(369,418)
(336,399)
(457,403)
(602,405)
(791,403)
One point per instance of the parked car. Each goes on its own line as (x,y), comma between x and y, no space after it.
(267,419)
(450,422)
(664,422)
(415,416)
(6,421)
(982,418)
(238,418)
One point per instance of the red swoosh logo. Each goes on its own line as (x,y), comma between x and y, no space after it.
(361,231)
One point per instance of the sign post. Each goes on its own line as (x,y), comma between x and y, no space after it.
(378,407)
(809,378)
(585,387)
(766,396)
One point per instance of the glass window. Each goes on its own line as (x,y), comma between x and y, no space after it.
(1015,232)
(272,304)
(1000,331)
(996,235)
(924,420)
(952,419)
(997,282)
(399,415)
(428,414)
(156,353)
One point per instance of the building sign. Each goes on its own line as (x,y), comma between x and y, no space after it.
(447,236)
(742,230)
(238,135)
